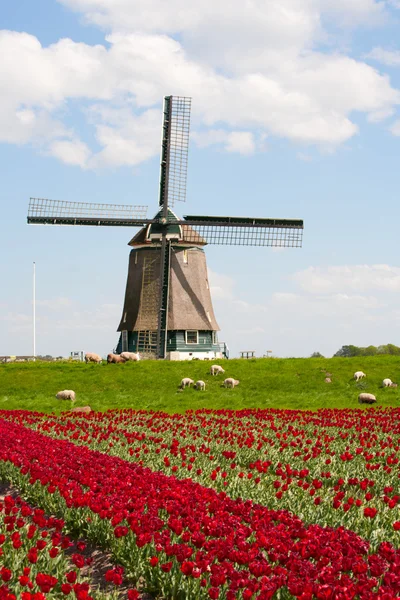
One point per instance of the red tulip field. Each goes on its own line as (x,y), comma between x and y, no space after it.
(207,504)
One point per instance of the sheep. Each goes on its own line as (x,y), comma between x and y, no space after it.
(115,358)
(216,369)
(328,380)
(200,385)
(81,409)
(186,382)
(130,356)
(230,382)
(359,375)
(366,398)
(66,395)
(387,383)
(92,357)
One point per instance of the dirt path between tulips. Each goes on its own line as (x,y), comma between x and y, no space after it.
(101,561)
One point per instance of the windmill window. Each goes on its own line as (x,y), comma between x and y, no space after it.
(192,337)
(185,257)
(207,286)
(136,258)
(125,317)
(214,338)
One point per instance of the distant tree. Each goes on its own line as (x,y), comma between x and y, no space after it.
(350,350)
(392,349)
(369,351)
(317,355)
(344,352)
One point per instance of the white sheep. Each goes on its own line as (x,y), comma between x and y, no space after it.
(200,385)
(134,356)
(66,395)
(359,375)
(366,398)
(186,382)
(387,382)
(92,357)
(115,358)
(230,382)
(82,409)
(216,369)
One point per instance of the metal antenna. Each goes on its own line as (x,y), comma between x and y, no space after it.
(34,311)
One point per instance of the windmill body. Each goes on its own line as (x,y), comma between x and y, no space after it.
(167,311)
(191,324)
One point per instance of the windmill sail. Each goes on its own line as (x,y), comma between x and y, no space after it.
(43,211)
(247,231)
(174,150)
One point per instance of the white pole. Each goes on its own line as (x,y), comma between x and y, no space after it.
(34,311)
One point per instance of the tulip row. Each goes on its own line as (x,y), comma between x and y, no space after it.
(33,563)
(334,467)
(187,540)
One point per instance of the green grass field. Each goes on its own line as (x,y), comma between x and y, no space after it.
(296,383)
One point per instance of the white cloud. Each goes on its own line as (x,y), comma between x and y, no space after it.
(300,18)
(241,142)
(55,304)
(327,280)
(387,57)
(260,73)
(61,324)
(303,320)
(350,12)
(71,152)
(125,139)
(221,286)
(395,128)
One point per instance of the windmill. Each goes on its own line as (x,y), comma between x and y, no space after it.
(167,310)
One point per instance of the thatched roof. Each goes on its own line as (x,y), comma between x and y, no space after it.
(189,305)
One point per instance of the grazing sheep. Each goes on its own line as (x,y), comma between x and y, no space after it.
(186,382)
(115,358)
(92,357)
(387,382)
(81,409)
(328,380)
(366,398)
(66,395)
(359,375)
(130,356)
(200,385)
(230,382)
(216,369)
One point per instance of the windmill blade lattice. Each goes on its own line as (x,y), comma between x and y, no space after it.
(174,150)
(245,231)
(44,211)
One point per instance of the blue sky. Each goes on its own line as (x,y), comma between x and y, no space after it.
(295,109)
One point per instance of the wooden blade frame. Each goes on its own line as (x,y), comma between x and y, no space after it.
(173,175)
(43,211)
(245,231)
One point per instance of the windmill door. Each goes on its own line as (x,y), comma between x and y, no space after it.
(124,341)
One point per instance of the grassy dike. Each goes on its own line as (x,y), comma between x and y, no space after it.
(295,383)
